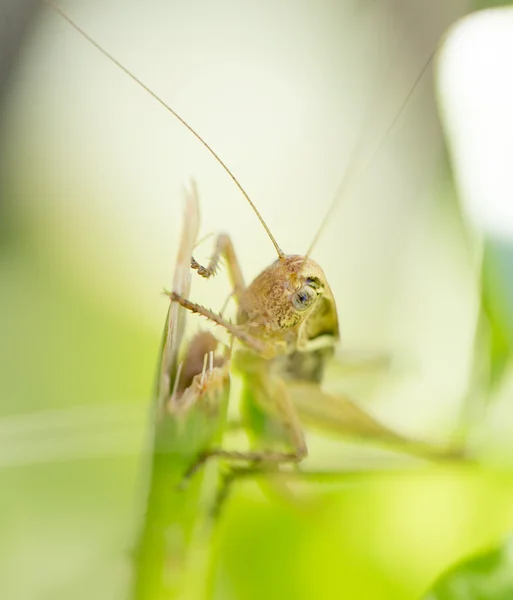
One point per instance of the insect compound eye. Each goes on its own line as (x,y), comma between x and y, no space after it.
(313,282)
(303,297)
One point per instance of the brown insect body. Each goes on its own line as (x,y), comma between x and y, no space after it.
(304,337)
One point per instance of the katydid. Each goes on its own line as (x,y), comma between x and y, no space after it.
(285,333)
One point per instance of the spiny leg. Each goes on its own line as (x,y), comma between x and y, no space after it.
(265,349)
(223,247)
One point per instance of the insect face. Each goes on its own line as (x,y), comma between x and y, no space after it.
(292,297)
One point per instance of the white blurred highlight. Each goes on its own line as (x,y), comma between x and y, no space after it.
(476,91)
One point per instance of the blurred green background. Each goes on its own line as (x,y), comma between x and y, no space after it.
(91,204)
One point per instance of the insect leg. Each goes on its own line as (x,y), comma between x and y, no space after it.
(281,402)
(223,247)
(267,350)
(226,484)
(339,415)
(280,481)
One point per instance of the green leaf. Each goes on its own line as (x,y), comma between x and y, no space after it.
(486,576)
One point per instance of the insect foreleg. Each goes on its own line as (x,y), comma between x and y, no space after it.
(265,349)
(223,247)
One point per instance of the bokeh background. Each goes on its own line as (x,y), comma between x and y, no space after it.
(92,173)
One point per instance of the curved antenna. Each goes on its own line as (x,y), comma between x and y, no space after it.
(357,166)
(77,28)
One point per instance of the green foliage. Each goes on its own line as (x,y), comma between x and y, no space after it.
(497,300)
(485,576)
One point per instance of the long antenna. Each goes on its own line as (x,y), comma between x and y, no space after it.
(77,28)
(356,166)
